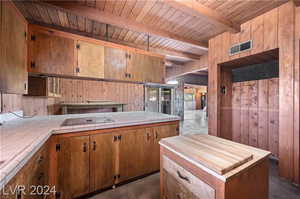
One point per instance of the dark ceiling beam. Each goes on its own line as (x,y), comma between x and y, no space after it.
(193,7)
(107,18)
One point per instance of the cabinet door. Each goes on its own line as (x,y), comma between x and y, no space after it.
(135,67)
(159,133)
(73,170)
(90,61)
(158,70)
(132,153)
(51,54)
(115,63)
(13,48)
(103,160)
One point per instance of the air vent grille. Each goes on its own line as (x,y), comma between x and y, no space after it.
(238,48)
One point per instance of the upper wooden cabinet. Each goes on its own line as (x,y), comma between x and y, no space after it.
(90,62)
(13,50)
(51,54)
(61,53)
(115,63)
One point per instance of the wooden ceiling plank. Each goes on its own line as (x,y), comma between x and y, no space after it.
(109,6)
(197,9)
(72,20)
(44,14)
(81,23)
(100,5)
(63,19)
(118,9)
(88,25)
(147,8)
(129,5)
(104,17)
(154,14)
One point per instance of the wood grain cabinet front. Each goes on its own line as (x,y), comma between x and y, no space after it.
(115,63)
(31,181)
(90,60)
(73,166)
(50,54)
(103,160)
(13,50)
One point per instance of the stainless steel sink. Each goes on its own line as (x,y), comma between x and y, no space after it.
(86,120)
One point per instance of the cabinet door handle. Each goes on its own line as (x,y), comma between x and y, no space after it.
(156,135)
(94,145)
(148,136)
(84,147)
(183,177)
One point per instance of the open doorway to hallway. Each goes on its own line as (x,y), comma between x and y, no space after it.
(195,114)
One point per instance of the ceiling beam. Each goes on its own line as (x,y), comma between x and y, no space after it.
(107,18)
(196,9)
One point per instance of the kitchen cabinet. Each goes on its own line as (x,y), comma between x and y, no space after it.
(103,160)
(60,53)
(154,69)
(44,86)
(135,66)
(13,50)
(31,181)
(159,133)
(74,166)
(50,54)
(90,60)
(134,147)
(115,63)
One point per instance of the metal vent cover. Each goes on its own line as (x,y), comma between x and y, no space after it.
(241,47)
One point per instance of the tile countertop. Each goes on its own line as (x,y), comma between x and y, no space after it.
(21,138)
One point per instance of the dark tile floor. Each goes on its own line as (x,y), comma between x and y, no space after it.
(148,188)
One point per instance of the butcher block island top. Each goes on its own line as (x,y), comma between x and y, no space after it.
(21,138)
(219,157)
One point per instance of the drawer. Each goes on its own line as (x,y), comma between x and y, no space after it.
(191,183)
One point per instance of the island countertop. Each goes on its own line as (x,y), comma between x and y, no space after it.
(21,138)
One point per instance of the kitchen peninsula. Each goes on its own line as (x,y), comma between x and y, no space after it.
(52,151)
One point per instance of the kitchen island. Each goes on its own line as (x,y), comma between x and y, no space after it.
(204,166)
(94,155)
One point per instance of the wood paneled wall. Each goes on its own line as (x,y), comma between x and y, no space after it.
(75,90)
(275,29)
(255,114)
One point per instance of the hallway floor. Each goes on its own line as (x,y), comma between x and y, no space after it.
(194,122)
(148,188)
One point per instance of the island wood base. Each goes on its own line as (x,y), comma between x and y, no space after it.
(182,179)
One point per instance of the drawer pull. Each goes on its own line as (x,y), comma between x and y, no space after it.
(183,177)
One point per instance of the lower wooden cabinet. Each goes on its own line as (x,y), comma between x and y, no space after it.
(103,160)
(32,180)
(84,162)
(73,166)
(96,160)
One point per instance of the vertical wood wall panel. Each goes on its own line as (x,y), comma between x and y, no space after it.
(255,116)
(273,117)
(263,114)
(297,102)
(75,90)
(286,92)
(274,29)
(236,112)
